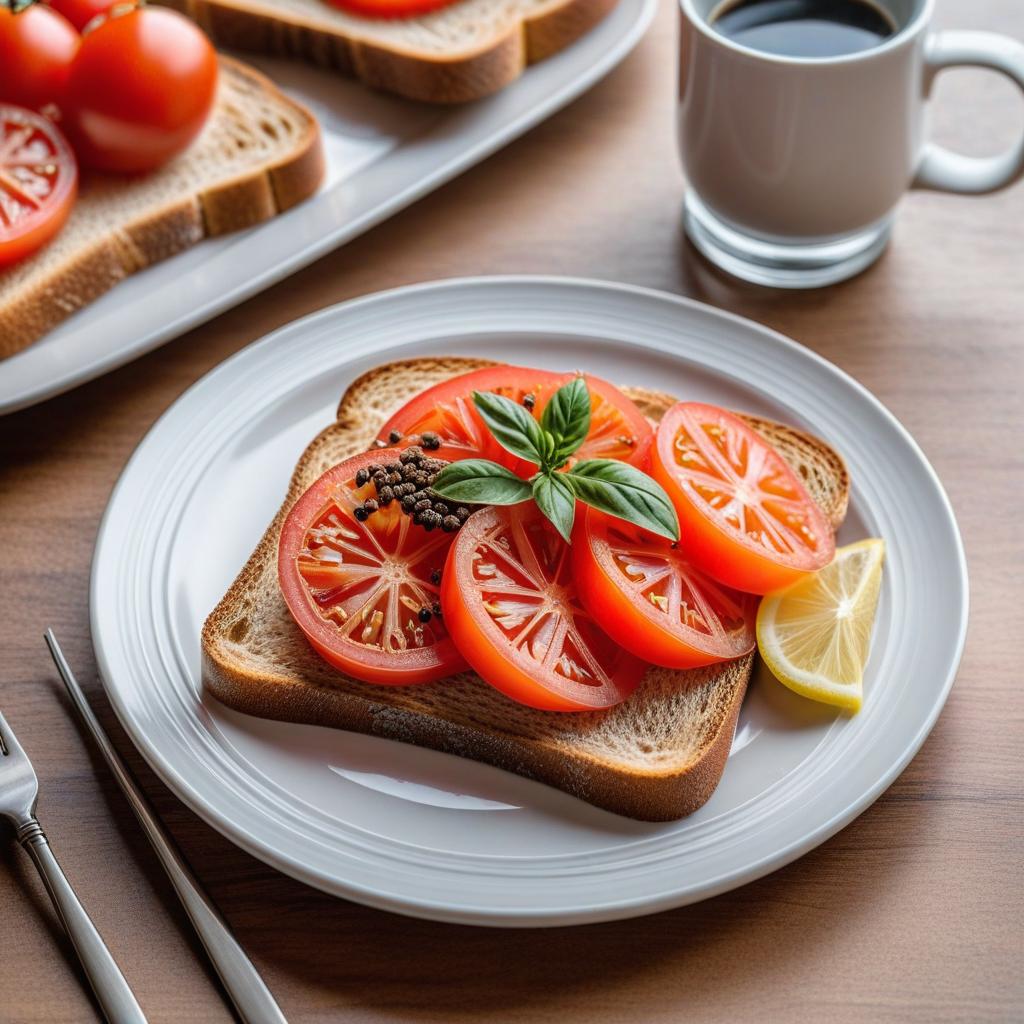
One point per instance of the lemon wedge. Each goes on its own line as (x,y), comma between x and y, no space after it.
(814,635)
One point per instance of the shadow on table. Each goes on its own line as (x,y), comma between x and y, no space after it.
(702,280)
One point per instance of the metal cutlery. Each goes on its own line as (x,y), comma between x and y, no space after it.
(19,791)
(251,997)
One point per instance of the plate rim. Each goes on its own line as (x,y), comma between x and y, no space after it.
(572,88)
(511,916)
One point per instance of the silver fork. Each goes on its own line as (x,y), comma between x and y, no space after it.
(19,790)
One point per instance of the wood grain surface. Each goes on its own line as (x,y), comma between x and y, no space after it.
(912,913)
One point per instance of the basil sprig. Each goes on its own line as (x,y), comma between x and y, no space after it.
(614,487)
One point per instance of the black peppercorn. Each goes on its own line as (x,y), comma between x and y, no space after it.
(394,437)
(424,614)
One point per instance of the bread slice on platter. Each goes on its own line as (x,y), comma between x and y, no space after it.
(657,756)
(461,52)
(259,154)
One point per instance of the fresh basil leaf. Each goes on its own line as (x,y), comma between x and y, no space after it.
(550,449)
(555,498)
(512,426)
(567,418)
(623,491)
(480,482)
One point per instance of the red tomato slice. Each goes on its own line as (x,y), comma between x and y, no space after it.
(38,182)
(648,597)
(745,517)
(618,429)
(389,8)
(356,589)
(513,609)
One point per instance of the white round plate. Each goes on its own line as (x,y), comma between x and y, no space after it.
(435,835)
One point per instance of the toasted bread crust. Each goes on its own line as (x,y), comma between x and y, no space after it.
(457,77)
(648,795)
(166,230)
(462,715)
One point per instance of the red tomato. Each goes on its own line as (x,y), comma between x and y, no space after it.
(513,610)
(356,589)
(140,89)
(649,598)
(618,429)
(37,46)
(389,8)
(745,517)
(81,12)
(38,182)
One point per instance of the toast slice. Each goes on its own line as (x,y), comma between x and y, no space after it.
(656,757)
(259,154)
(458,53)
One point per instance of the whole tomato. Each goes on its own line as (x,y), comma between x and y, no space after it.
(37,46)
(140,89)
(81,12)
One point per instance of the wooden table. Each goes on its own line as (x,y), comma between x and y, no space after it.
(912,913)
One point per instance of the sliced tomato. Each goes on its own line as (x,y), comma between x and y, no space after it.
(358,589)
(389,8)
(648,596)
(513,609)
(745,517)
(38,182)
(447,409)
(618,429)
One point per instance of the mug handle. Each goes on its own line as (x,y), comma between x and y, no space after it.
(941,168)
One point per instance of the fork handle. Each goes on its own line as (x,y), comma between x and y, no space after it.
(112,992)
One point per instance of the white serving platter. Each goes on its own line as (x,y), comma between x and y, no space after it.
(383,153)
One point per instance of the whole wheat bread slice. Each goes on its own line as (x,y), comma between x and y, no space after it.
(258,155)
(461,52)
(658,756)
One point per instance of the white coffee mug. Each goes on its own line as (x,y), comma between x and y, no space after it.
(795,165)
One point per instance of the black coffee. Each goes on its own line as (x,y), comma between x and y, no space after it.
(804,28)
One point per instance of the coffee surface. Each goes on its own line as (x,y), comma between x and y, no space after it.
(804,28)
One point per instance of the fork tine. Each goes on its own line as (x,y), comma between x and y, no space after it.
(7,746)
